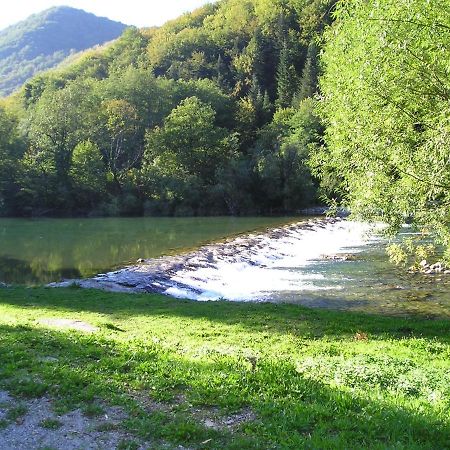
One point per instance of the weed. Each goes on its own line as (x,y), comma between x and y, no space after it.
(107,426)
(16,412)
(93,410)
(51,424)
(128,445)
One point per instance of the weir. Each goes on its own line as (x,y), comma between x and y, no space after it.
(248,268)
(323,262)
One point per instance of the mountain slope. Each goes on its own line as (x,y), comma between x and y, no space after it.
(45,39)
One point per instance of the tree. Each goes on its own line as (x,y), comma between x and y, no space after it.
(122,153)
(309,80)
(386,93)
(188,148)
(282,155)
(191,136)
(59,120)
(287,79)
(88,174)
(10,152)
(222,71)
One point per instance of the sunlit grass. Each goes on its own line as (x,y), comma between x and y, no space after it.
(302,378)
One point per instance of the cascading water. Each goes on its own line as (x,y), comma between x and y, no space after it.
(328,263)
(263,266)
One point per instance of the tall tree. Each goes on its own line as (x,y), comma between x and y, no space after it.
(88,174)
(190,136)
(123,152)
(287,78)
(310,75)
(386,93)
(10,152)
(58,122)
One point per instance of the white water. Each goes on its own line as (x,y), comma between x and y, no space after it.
(274,266)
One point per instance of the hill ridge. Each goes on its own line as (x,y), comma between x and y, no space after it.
(45,39)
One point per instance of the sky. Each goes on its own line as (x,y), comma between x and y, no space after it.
(142,13)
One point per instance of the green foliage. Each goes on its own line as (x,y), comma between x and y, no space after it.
(180,119)
(308,85)
(284,172)
(187,151)
(10,152)
(88,173)
(287,80)
(385,90)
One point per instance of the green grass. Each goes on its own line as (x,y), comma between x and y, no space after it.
(307,378)
(16,412)
(51,424)
(93,410)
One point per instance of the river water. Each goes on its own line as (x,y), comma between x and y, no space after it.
(335,264)
(46,250)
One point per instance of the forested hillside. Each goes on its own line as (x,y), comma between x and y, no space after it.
(44,40)
(212,113)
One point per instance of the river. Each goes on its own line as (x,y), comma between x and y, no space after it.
(338,264)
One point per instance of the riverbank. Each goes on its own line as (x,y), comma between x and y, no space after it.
(147,370)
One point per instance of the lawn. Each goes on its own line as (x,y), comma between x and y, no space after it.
(229,375)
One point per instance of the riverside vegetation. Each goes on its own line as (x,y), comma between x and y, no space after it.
(227,376)
(244,107)
(193,118)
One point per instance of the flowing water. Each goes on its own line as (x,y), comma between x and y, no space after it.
(329,264)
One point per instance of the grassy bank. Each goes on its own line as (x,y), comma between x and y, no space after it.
(230,376)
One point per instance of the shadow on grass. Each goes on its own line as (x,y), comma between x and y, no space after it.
(258,317)
(292,411)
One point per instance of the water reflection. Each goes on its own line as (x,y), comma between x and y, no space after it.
(42,251)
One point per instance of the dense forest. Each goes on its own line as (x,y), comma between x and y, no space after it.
(222,112)
(46,39)
(210,114)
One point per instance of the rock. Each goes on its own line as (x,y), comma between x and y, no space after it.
(423,263)
(314,211)
(343,257)
(447,272)
(140,261)
(3,285)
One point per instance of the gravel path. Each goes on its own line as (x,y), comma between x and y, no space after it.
(32,425)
